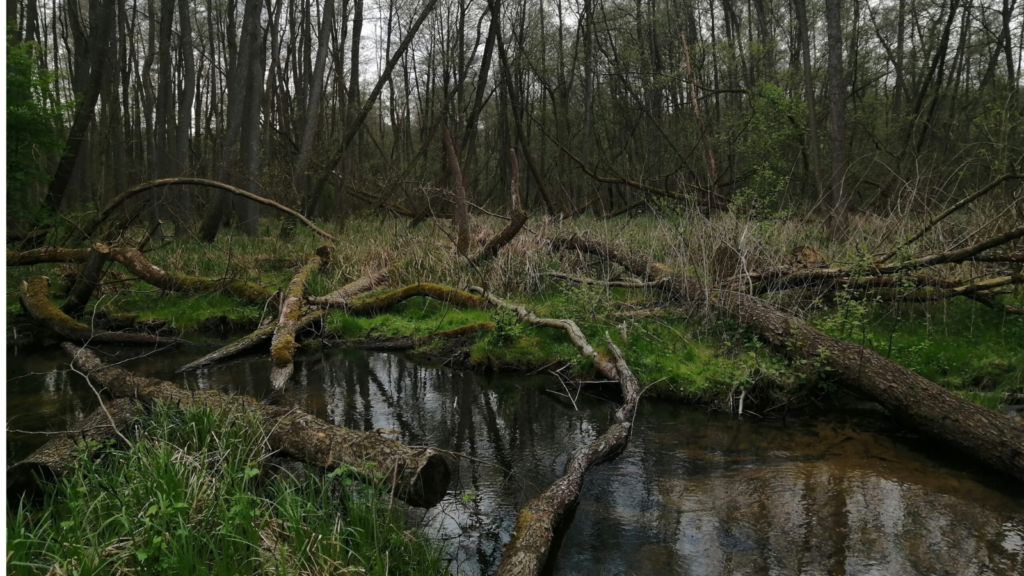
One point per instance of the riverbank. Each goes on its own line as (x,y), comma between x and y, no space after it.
(685,354)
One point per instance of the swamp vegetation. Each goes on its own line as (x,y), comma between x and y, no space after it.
(481,286)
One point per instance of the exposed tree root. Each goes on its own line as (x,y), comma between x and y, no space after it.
(55,458)
(527,552)
(974,430)
(35,298)
(283,345)
(420,476)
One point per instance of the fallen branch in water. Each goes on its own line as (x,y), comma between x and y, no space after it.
(534,532)
(420,476)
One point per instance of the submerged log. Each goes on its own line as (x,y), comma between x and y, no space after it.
(283,345)
(55,458)
(35,298)
(420,476)
(88,280)
(534,532)
(968,427)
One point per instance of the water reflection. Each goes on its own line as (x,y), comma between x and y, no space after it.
(693,494)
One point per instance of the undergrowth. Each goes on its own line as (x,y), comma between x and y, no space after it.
(194,494)
(957,343)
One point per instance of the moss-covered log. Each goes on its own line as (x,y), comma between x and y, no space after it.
(283,344)
(534,532)
(150,273)
(88,280)
(976,431)
(58,455)
(420,476)
(250,341)
(145,270)
(384,302)
(46,256)
(35,298)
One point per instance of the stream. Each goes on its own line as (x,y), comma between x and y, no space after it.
(695,492)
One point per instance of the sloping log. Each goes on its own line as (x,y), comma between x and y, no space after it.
(502,238)
(961,424)
(88,280)
(605,366)
(384,302)
(283,345)
(341,296)
(420,476)
(46,256)
(35,298)
(250,341)
(145,270)
(534,532)
(146,186)
(150,273)
(55,458)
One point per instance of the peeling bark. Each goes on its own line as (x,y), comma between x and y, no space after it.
(420,476)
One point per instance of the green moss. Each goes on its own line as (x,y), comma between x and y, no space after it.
(183,312)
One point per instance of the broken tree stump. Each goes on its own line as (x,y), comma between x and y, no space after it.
(88,280)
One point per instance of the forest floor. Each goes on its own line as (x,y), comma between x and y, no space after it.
(687,354)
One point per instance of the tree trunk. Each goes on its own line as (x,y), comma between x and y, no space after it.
(812,119)
(420,476)
(976,431)
(838,198)
(88,280)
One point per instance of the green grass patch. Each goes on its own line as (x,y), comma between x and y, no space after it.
(193,495)
(958,343)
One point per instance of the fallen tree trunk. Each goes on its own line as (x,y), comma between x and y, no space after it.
(250,341)
(35,298)
(88,280)
(136,263)
(420,476)
(378,304)
(283,345)
(534,532)
(55,458)
(341,296)
(974,430)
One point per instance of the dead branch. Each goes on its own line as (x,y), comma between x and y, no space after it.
(90,228)
(88,280)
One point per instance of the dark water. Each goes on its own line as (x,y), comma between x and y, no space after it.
(693,494)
